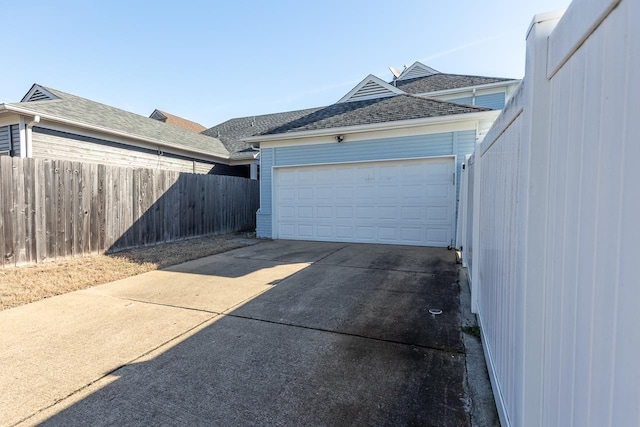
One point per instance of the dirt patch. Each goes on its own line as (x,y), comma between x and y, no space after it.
(23,285)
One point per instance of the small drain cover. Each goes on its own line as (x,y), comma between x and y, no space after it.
(435,311)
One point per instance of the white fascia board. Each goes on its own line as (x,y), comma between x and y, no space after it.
(505,83)
(455,118)
(242,162)
(104,130)
(374,79)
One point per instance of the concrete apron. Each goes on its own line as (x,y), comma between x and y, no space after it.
(275,333)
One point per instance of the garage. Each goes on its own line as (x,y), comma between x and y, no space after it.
(404,202)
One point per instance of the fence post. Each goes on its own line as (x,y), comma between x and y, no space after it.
(533,184)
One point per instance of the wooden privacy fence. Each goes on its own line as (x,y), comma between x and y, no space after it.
(59,209)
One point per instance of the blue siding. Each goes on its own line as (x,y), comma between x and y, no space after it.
(494,100)
(263,217)
(466,100)
(465,144)
(10,137)
(442,144)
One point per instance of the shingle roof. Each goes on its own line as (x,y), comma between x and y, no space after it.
(372,111)
(182,123)
(84,111)
(441,81)
(232,131)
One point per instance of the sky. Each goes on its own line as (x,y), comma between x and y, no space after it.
(210,61)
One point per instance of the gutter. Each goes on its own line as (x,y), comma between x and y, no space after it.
(372,127)
(29,135)
(204,154)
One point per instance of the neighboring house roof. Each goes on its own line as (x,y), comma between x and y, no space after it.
(233,131)
(373,111)
(77,111)
(440,81)
(171,119)
(372,102)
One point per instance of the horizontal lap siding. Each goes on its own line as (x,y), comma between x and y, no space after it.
(494,100)
(464,100)
(263,217)
(441,144)
(63,146)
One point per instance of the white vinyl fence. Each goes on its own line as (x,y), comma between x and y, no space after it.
(555,223)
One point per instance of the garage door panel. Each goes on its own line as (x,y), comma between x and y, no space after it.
(305,212)
(387,192)
(366,233)
(364,212)
(305,193)
(325,193)
(396,202)
(306,176)
(438,213)
(324,212)
(344,232)
(411,213)
(387,212)
(305,231)
(344,193)
(344,212)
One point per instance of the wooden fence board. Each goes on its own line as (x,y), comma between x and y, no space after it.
(59,209)
(19,213)
(2,207)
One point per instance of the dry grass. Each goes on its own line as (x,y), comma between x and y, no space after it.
(20,286)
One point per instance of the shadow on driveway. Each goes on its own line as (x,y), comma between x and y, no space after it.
(345,339)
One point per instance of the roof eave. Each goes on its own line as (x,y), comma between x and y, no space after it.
(200,153)
(468,88)
(453,118)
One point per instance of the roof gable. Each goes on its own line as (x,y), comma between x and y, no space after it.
(418,69)
(157,115)
(38,93)
(370,88)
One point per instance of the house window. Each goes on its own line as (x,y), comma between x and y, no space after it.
(9,140)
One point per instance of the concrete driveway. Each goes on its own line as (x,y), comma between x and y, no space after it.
(282,332)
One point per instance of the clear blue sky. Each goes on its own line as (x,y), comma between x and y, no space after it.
(211,61)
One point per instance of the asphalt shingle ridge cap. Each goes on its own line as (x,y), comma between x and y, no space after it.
(61,95)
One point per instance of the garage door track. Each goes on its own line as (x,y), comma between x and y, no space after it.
(278,333)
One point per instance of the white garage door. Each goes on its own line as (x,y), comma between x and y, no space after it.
(405,202)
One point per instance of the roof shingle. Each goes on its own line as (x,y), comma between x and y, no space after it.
(373,111)
(233,131)
(182,123)
(440,81)
(91,113)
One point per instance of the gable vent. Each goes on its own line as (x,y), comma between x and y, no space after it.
(371,89)
(39,95)
(417,70)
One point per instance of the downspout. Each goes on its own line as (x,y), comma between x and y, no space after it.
(29,136)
